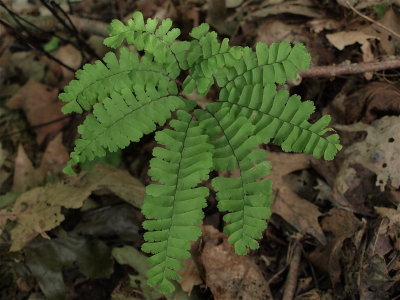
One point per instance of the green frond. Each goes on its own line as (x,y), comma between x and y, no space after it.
(205,57)
(281,118)
(268,64)
(149,36)
(173,207)
(121,119)
(246,198)
(97,81)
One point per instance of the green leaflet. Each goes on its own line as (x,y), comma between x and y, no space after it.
(174,206)
(282,118)
(121,119)
(246,198)
(96,82)
(126,96)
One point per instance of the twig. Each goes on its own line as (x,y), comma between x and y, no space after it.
(291,281)
(19,36)
(331,71)
(34,127)
(371,20)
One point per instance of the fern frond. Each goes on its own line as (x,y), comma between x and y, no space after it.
(246,199)
(149,36)
(268,64)
(120,119)
(173,207)
(282,118)
(205,57)
(97,81)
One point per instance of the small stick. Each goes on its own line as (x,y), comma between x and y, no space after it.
(371,20)
(291,281)
(332,71)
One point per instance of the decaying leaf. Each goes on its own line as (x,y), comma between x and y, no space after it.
(25,175)
(378,152)
(47,259)
(40,104)
(300,213)
(190,275)
(228,275)
(39,209)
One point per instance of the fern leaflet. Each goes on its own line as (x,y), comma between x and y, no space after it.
(174,207)
(246,199)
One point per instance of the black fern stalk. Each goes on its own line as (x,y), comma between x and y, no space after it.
(133,92)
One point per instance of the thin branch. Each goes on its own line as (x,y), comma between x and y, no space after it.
(19,36)
(34,127)
(332,71)
(395,34)
(291,281)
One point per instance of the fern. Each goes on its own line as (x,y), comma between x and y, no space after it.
(127,95)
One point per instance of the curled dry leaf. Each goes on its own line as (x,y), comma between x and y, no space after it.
(230,276)
(378,152)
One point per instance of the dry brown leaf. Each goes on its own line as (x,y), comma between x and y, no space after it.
(318,25)
(119,182)
(54,157)
(379,152)
(40,104)
(25,175)
(230,276)
(39,209)
(300,213)
(296,7)
(190,276)
(369,102)
(342,39)
(70,56)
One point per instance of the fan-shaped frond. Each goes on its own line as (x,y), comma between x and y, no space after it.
(246,198)
(268,64)
(205,57)
(96,82)
(282,118)
(120,119)
(174,206)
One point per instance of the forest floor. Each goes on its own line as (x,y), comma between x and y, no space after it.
(335,228)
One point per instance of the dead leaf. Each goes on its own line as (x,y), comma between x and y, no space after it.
(300,213)
(55,156)
(118,181)
(40,104)
(296,7)
(190,276)
(39,209)
(70,56)
(230,276)
(378,152)
(25,175)
(318,25)
(367,103)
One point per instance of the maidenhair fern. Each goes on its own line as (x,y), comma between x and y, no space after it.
(128,95)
